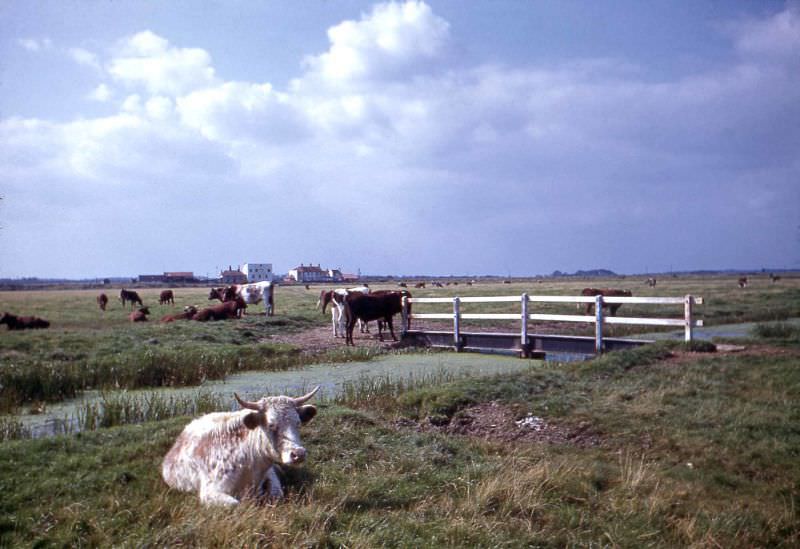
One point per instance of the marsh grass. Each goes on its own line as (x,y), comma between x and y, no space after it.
(700,452)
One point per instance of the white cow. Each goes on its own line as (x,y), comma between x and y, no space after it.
(226,456)
(336,299)
(256,292)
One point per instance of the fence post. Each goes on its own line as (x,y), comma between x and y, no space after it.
(523,337)
(457,324)
(404,312)
(687,317)
(598,324)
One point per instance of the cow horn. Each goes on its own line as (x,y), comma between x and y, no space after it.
(246,404)
(301,400)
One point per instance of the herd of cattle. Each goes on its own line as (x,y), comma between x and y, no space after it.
(348,306)
(233,301)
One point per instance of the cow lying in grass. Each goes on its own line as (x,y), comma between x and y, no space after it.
(15,322)
(227,456)
(139,315)
(188,312)
(223,311)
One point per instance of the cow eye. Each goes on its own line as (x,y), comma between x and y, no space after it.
(272,426)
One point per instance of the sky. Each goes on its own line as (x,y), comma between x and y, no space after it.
(441,137)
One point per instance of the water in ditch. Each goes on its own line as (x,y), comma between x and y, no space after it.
(332,379)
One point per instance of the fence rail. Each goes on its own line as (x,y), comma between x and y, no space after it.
(599,319)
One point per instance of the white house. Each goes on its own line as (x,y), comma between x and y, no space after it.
(313,273)
(257,272)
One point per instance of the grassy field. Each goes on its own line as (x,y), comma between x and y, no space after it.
(653,447)
(689,450)
(87,348)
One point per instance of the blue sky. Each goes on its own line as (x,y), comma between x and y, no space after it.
(417,137)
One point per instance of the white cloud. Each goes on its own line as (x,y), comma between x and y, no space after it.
(84,57)
(148,60)
(36,45)
(393,42)
(101,93)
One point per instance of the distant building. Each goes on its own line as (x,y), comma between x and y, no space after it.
(257,272)
(314,273)
(169,278)
(232,276)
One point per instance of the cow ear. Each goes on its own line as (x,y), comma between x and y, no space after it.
(307,413)
(253,420)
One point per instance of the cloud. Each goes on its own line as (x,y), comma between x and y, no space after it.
(36,45)
(84,57)
(148,60)
(101,93)
(381,134)
(778,34)
(395,41)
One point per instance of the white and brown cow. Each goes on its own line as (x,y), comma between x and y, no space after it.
(227,456)
(336,300)
(251,294)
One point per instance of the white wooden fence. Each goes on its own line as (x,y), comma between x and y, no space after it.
(599,318)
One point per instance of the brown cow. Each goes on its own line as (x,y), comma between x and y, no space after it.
(743,282)
(102,301)
(15,322)
(188,312)
(166,297)
(375,306)
(223,311)
(139,315)
(605,292)
(130,295)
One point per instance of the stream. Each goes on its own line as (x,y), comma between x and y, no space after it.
(332,379)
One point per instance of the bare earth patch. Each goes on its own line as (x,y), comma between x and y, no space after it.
(498,422)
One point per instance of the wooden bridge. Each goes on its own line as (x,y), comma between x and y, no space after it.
(532,345)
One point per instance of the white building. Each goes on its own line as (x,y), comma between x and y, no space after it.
(314,273)
(257,272)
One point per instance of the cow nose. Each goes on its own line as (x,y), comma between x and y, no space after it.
(298,455)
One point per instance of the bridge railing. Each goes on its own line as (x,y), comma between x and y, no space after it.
(599,319)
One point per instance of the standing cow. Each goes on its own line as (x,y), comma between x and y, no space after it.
(130,295)
(102,301)
(605,292)
(227,456)
(165,297)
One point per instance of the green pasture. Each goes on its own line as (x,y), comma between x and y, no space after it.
(86,348)
(690,450)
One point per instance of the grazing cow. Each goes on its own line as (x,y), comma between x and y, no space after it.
(139,315)
(774,278)
(223,311)
(188,312)
(228,456)
(402,285)
(651,282)
(743,282)
(308,287)
(605,292)
(375,306)
(130,295)
(102,301)
(336,299)
(419,285)
(166,297)
(15,322)
(437,285)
